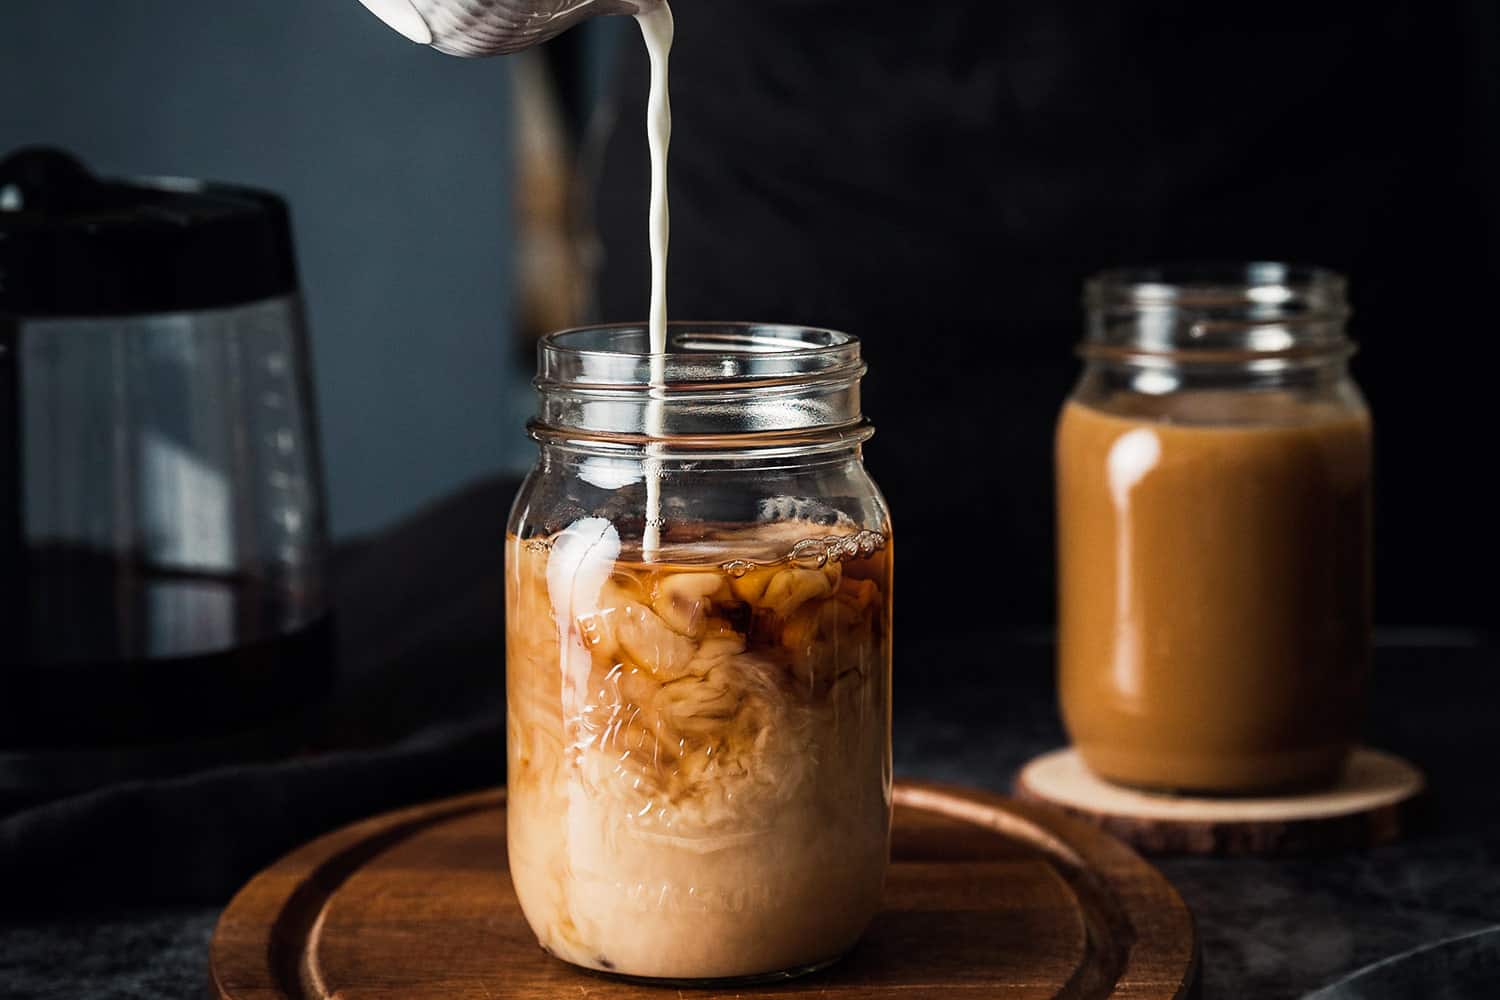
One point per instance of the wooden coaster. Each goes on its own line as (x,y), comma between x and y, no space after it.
(987,897)
(1366,808)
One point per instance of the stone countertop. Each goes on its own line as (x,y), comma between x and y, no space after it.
(970,710)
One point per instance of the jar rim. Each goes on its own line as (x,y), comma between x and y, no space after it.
(1217,312)
(1317,290)
(718,385)
(698,354)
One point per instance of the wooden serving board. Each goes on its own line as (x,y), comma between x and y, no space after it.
(987,897)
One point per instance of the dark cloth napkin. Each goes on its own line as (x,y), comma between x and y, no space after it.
(416,714)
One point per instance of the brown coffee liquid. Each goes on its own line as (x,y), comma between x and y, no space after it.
(1214,588)
(108,651)
(699,746)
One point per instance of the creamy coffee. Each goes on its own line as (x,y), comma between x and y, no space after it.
(1214,587)
(698,746)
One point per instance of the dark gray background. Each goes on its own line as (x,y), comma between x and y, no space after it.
(397,164)
(942,185)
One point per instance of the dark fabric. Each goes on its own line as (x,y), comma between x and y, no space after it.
(940,178)
(416,715)
(198,838)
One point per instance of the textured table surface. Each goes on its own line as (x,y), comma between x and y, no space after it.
(971,709)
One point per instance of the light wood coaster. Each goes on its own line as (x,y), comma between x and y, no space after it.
(1368,807)
(987,897)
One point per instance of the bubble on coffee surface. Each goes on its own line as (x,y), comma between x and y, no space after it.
(815,553)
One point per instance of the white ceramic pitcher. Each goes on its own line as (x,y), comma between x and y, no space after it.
(492,27)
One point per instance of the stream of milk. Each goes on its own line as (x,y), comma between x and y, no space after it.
(657,28)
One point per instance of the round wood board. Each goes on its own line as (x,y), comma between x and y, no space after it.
(1366,808)
(987,897)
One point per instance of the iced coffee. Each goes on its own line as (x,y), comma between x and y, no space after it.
(1215,586)
(699,763)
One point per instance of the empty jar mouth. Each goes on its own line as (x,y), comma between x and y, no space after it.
(1217,311)
(717,384)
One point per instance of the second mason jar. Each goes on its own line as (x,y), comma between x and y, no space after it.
(698,601)
(1213,474)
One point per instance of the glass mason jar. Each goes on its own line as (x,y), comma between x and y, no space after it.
(1214,495)
(698,607)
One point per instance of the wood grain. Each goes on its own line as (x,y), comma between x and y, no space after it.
(987,897)
(1369,806)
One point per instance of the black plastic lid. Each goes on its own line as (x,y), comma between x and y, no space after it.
(72,244)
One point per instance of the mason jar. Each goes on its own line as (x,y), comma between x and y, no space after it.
(1214,495)
(698,608)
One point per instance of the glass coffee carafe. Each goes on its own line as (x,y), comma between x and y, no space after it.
(164,599)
